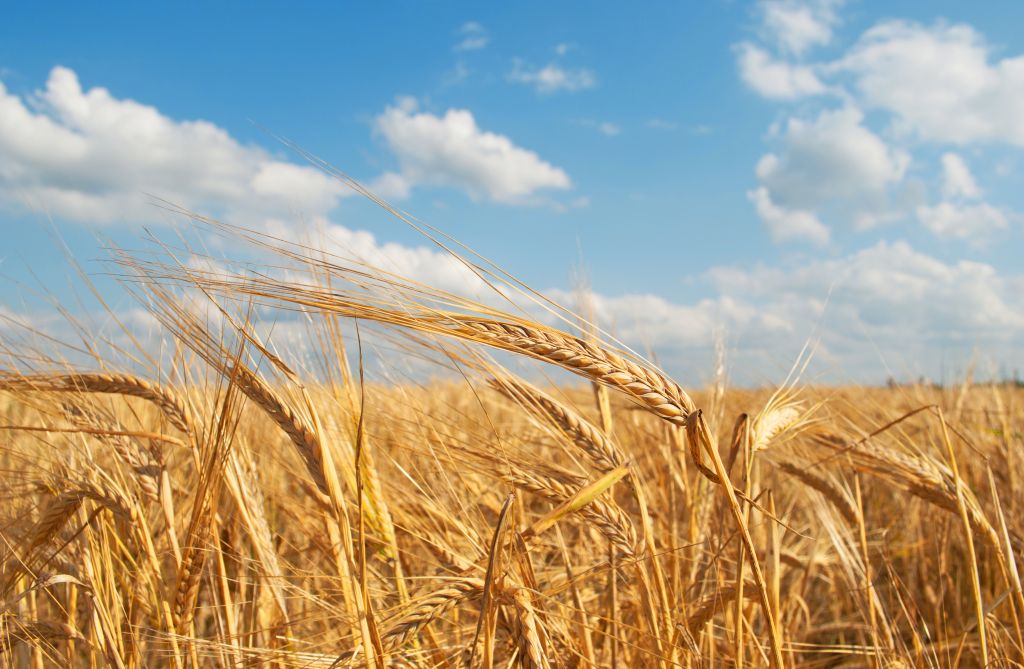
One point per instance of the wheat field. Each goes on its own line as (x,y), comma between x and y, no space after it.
(225,501)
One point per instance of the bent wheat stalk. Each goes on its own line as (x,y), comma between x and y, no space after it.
(706,608)
(643,384)
(305,439)
(609,519)
(602,452)
(430,608)
(165,399)
(843,505)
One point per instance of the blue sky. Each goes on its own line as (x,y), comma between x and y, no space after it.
(771,171)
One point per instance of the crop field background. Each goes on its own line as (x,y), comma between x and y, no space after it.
(238,506)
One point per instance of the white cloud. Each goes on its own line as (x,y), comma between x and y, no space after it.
(287,182)
(833,161)
(451,150)
(642,319)
(787,224)
(939,82)
(797,26)
(429,265)
(88,156)
(949,220)
(391,186)
(776,79)
(961,215)
(833,156)
(552,78)
(474,37)
(864,305)
(895,289)
(957,180)
(860,306)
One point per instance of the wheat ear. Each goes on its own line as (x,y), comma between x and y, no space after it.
(147,470)
(609,519)
(706,608)
(530,646)
(826,488)
(299,432)
(430,608)
(169,403)
(602,452)
(652,389)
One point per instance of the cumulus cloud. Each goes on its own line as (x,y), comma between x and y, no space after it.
(776,79)
(426,264)
(950,220)
(391,186)
(864,305)
(787,224)
(796,25)
(473,37)
(860,306)
(87,155)
(939,82)
(933,84)
(644,319)
(552,78)
(832,161)
(961,215)
(452,150)
(891,289)
(957,180)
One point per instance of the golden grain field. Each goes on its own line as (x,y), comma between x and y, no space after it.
(224,502)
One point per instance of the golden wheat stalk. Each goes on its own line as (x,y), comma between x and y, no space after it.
(924,478)
(186,589)
(647,386)
(530,645)
(705,608)
(305,439)
(842,504)
(68,497)
(169,403)
(431,607)
(108,429)
(602,452)
(607,517)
